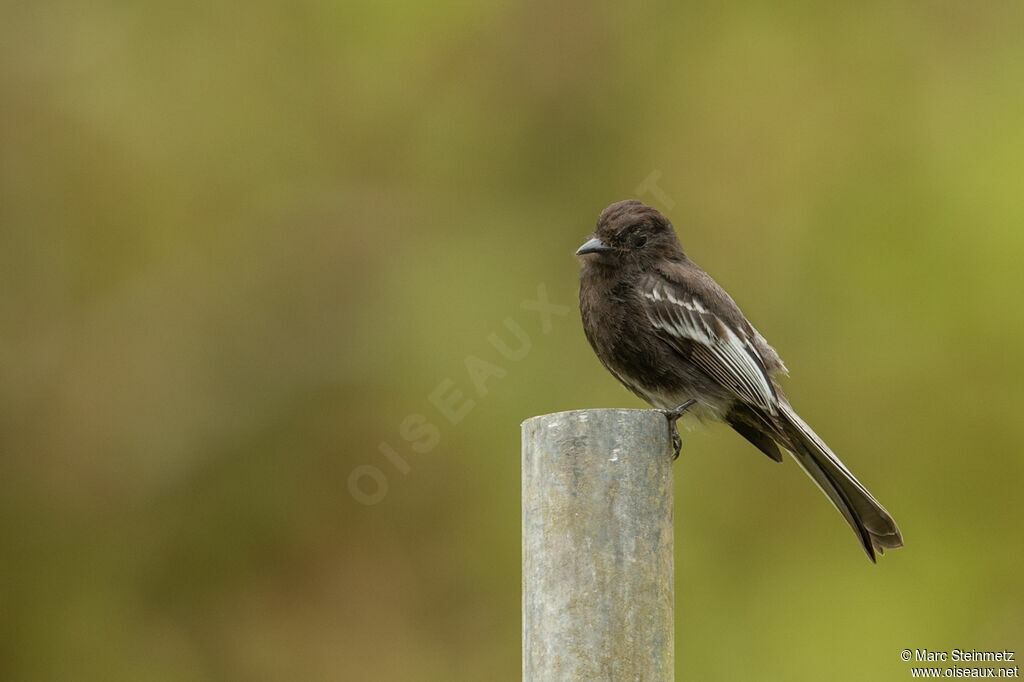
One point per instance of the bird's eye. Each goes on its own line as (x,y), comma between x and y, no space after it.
(639,240)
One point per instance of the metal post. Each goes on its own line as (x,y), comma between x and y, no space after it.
(598,600)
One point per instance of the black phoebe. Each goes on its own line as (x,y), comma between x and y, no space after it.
(671,334)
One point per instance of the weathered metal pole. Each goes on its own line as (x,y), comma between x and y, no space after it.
(598,601)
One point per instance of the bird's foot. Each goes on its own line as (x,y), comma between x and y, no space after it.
(673,416)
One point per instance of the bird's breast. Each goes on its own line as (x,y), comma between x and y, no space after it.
(629,346)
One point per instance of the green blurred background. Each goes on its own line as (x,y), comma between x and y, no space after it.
(244,243)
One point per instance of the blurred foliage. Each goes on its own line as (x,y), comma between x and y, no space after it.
(243,243)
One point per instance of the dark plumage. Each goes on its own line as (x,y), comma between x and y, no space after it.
(670,333)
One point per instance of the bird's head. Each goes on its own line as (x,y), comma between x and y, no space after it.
(631,231)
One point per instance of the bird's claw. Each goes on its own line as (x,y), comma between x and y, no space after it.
(673,416)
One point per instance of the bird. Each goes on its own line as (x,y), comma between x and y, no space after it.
(673,336)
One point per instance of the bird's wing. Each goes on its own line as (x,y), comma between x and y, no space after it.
(726,353)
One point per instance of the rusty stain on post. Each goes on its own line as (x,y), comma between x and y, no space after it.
(598,600)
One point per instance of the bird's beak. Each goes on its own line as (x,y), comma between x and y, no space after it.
(593,245)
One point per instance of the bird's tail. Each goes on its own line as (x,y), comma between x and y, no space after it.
(869,519)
